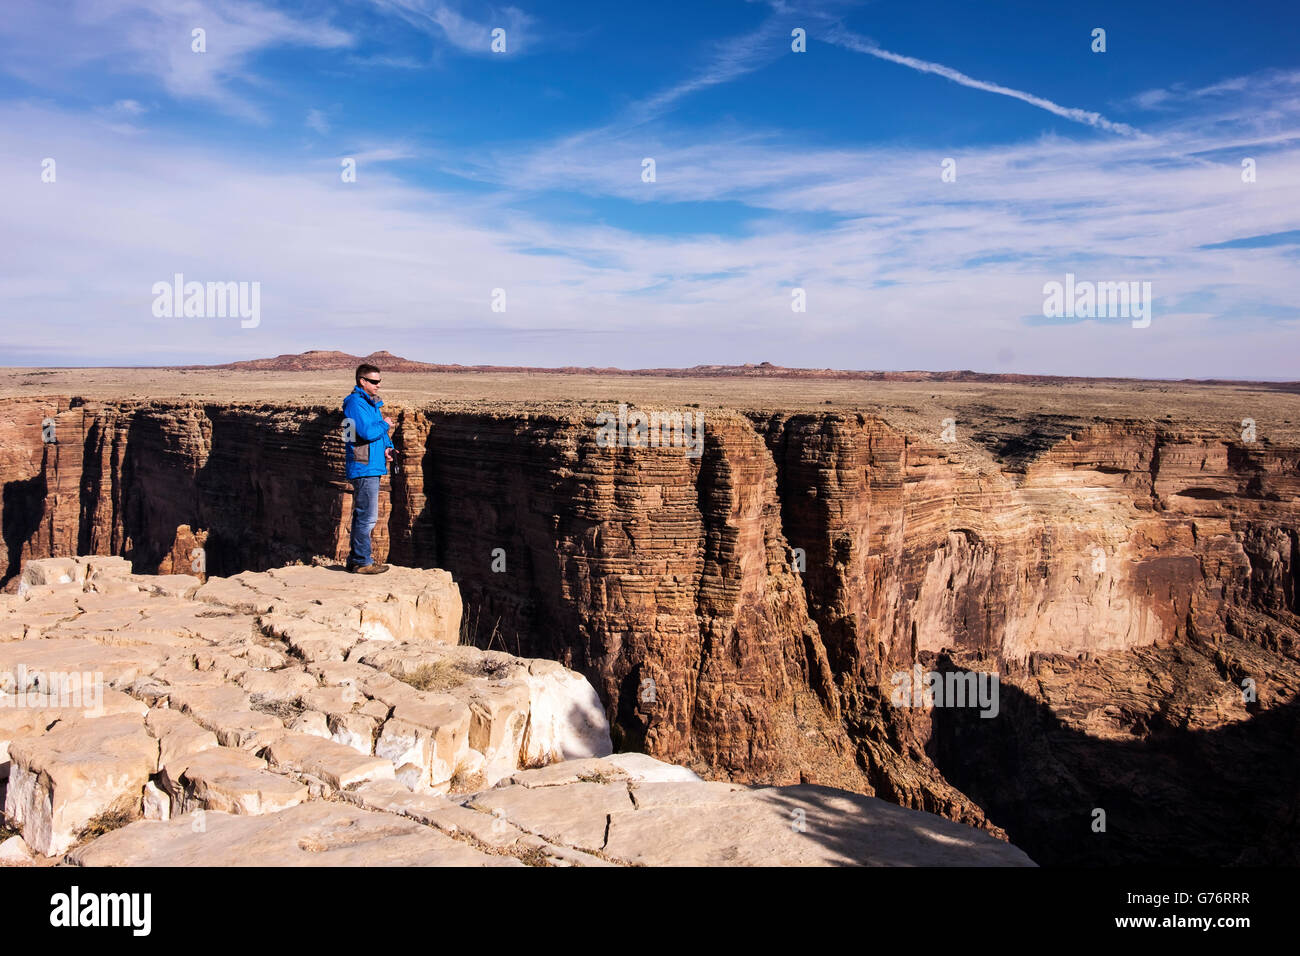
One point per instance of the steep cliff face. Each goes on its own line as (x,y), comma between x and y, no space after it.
(1124,583)
(748,611)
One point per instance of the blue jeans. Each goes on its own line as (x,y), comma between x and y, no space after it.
(365,512)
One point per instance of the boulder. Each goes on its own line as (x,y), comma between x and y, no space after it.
(63,779)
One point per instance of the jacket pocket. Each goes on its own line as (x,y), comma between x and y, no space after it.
(361,454)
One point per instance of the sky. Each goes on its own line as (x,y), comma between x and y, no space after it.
(915,178)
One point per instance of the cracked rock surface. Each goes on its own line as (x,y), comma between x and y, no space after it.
(306,717)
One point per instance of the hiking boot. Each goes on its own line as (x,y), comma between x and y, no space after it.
(370,569)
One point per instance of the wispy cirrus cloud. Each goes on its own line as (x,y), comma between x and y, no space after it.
(907,271)
(469,34)
(155,38)
(317,121)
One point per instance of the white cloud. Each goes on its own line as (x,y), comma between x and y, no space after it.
(317,121)
(48,43)
(466,33)
(922,274)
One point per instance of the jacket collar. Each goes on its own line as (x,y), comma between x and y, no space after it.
(362,392)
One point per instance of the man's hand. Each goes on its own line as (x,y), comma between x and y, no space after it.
(389,421)
(388,454)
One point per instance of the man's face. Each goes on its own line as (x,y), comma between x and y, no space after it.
(370,383)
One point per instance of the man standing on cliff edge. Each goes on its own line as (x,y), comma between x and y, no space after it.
(367,457)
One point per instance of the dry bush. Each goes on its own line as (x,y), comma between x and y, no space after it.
(440,675)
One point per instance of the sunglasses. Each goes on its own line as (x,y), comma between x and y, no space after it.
(372,381)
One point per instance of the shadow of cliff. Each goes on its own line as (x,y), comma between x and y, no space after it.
(1175,796)
(505,543)
(852,834)
(24,507)
(266,496)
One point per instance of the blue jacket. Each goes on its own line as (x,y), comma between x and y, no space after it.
(368,421)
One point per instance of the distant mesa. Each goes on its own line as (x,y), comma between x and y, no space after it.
(320,360)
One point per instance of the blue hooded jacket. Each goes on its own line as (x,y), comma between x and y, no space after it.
(371,432)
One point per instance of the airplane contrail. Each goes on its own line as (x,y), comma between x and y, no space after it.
(1087,117)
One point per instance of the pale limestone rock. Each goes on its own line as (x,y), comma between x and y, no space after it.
(310,834)
(413,777)
(157,802)
(354,730)
(105,566)
(574,815)
(224,709)
(260,657)
(499,717)
(644,767)
(179,738)
(333,700)
(406,745)
(280,687)
(676,793)
(565,716)
(310,640)
(181,672)
(311,722)
(116,666)
(20,721)
(63,779)
(435,810)
(791,826)
(15,852)
(234,781)
(570,771)
(52,572)
(171,585)
(406,604)
(447,722)
(338,765)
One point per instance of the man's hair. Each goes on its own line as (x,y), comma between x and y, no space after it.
(365,370)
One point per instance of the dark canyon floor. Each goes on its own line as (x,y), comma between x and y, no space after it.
(1124,556)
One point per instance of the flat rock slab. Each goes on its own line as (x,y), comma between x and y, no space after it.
(234,781)
(311,834)
(406,604)
(702,823)
(337,764)
(116,665)
(435,810)
(589,769)
(574,815)
(680,824)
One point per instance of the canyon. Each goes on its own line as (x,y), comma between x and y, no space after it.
(1131,577)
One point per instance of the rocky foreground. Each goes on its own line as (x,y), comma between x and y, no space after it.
(302,716)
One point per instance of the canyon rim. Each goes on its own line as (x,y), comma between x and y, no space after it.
(1129,581)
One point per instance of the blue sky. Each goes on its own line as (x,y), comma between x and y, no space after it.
(522,171)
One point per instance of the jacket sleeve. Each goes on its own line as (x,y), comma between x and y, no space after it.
(370,425)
